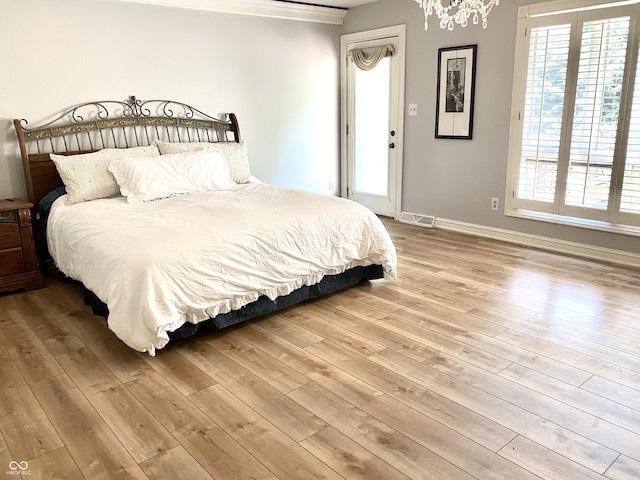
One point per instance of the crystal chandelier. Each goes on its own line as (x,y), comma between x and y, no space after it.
(457,11)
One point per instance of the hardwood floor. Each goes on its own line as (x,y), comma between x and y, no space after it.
(484,360)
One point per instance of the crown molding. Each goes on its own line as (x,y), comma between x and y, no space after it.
(258,8)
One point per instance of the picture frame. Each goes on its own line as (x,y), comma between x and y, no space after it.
(456,91)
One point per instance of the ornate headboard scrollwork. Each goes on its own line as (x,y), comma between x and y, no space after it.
(109,124)
(112,124)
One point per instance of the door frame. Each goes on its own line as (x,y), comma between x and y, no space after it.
(398,31)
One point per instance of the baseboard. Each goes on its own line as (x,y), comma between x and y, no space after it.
(546,243)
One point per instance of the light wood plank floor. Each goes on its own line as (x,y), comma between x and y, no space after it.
(484,360)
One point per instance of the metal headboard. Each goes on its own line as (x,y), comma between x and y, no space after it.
(112,124)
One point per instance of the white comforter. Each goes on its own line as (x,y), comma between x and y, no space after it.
(184,259)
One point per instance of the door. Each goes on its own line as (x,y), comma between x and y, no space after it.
(373,98)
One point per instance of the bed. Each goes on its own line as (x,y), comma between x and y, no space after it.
(151,205)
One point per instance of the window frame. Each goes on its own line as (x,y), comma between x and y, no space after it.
(574,13)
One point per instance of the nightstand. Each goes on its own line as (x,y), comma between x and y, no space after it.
(18,262)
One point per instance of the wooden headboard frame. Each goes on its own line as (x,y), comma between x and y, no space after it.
(112,124)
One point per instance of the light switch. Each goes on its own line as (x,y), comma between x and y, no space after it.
(413,109)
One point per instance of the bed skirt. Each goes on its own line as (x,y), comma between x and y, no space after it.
(263,305)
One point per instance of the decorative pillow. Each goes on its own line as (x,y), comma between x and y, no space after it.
(86,176)
(143,179)
(236,154)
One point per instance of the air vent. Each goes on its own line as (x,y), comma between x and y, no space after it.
(417,219)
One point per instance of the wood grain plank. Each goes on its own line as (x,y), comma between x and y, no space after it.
(610,390)
(501,407)
(288,331)
(608,410)
(399,451)
(56,465)
(348,386)
(276,373)
(449,413)
(624,468)
(174,463)
(555,410)
(373,329)
(98,453)
(552,367)
(277,451)
(593,329)
(627,355)
(46,323)
(621,320)
(596,365)
(431,332)
(457,449)
(348,458)
(27,430)
(5,455)
(179,372)
(25,349)
(291,418)
(217,452)
(87,371)
(24,425)
(543,462)
(315,323)
(124,363)
(140,432)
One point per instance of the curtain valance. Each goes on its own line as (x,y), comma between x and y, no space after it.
(368,58)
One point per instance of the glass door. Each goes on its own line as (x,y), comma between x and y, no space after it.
(372,127)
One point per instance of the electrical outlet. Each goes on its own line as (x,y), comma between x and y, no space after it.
(332,185)
(495,203)
(413,109)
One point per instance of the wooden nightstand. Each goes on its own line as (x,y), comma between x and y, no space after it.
(18,262)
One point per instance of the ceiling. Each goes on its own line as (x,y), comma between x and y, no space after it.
(336,3)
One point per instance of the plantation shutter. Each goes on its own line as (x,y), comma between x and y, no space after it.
(543,112)
(630,201)
(574,152)
(596,112)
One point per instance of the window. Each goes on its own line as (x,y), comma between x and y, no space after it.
(575,137)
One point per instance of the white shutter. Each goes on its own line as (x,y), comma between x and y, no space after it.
(597,107)
(574,148)
(630,200)
(543,111)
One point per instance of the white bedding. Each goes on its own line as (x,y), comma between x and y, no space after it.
(184,259)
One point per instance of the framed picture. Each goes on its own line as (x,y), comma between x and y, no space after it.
(456,89)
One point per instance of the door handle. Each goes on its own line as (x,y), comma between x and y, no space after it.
(392,145)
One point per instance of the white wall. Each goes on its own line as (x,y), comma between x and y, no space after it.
(279,76)
(455,179)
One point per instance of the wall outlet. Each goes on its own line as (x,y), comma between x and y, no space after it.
(413,109)
(332,185)
(495,203)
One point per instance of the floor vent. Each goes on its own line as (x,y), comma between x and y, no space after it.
(417,219)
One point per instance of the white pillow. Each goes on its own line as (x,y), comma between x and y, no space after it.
(143,179)
(236,154)
(86,176)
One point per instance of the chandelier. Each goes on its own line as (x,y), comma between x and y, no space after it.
(457,11)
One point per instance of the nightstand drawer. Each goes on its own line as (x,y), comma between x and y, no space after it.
(18,261)
(11,262)
(9,235)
